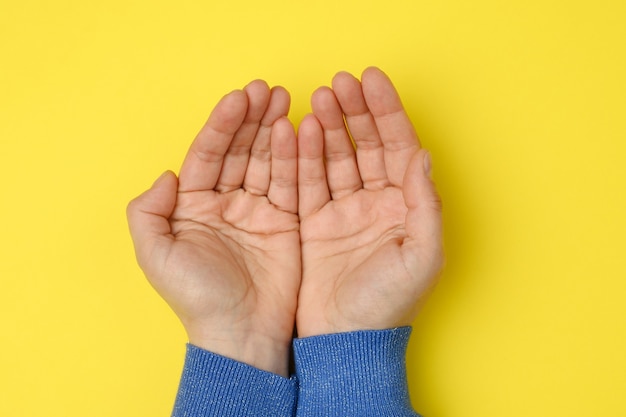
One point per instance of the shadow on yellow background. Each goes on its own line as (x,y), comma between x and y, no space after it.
(521,104)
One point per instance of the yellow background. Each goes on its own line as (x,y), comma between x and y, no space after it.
(522,104)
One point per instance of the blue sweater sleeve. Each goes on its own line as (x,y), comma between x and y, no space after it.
(213,385)
(353,374)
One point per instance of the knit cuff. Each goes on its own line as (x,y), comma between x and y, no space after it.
(213,385)
(360,373)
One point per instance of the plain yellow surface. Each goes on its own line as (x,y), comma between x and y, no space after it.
(522,104)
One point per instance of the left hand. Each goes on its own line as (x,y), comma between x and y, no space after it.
(221,244)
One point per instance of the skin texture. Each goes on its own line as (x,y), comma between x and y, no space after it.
(334,230)
(221,243)
(370,217)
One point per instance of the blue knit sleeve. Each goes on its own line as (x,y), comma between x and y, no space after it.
(213,385)
(355,374)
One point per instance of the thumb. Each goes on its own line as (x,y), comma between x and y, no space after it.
(423,220)
(148,215)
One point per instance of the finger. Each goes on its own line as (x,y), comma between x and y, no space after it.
(369,147)
(283,189)
(203,163)
(236,158)
(396,131)
(148,216)
(313,191)
(257,179)
(341,168)
(423,248)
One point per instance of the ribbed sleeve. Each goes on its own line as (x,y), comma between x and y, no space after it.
(212,385)
(353,374)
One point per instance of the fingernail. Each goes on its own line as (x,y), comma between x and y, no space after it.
(428,164)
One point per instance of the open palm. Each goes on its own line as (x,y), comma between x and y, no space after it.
(370,217)
(221,244)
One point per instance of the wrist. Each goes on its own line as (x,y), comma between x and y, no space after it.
(254,349)
(318,326)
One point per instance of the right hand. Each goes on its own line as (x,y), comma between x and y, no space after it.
(370,218)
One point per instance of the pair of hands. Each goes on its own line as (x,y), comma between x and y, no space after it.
(264,229)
